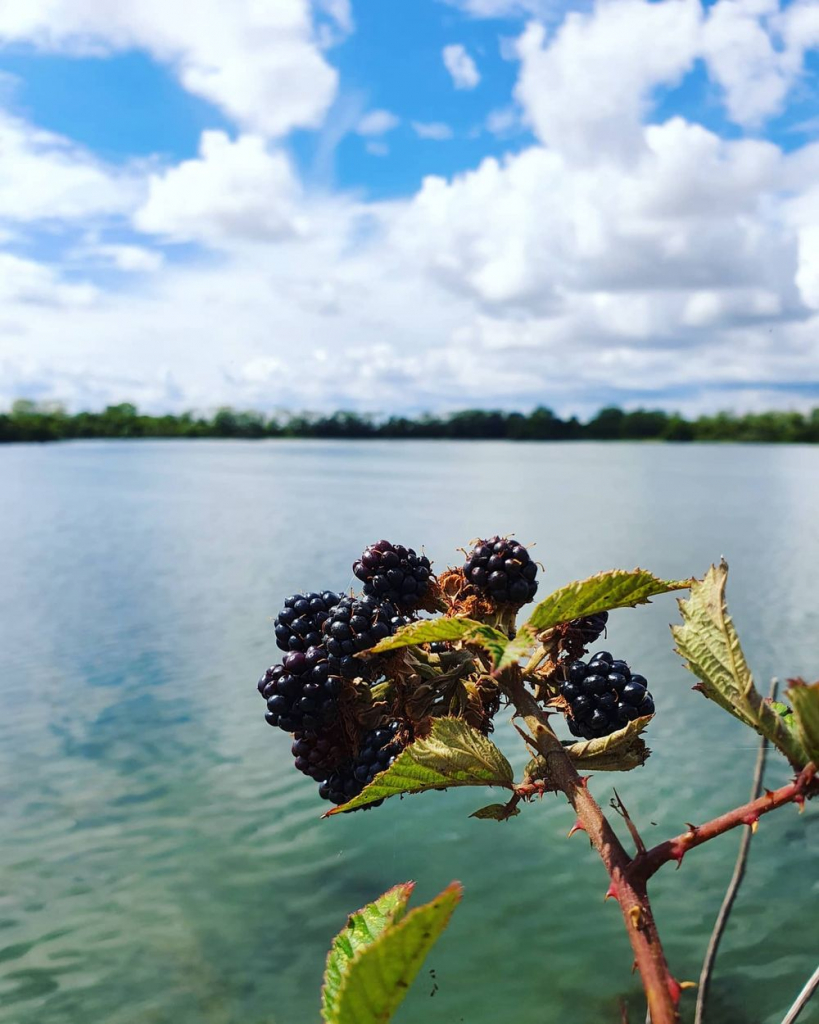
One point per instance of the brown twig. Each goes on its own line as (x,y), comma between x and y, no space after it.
(620,807)
(803,998)
(733,885)
(643,867)
(662,991)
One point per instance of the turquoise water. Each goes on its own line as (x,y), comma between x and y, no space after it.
(160,861)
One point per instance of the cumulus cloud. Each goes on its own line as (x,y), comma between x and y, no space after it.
(461,66)
(585,90)
(755,51)
(44,176)
(654,262)
(233,191)
(260,62)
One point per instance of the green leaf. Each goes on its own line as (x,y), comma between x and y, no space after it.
(496,812)
(708,642)
(362,929)
(430,630)
(516,649)
(376,978)
(615,589)
(805,699)
(454,754)
(618,752)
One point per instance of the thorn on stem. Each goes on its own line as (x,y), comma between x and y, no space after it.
(752,820)
(611,893)
(577,827)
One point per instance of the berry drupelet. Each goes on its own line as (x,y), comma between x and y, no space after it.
(590,627)
(379,748)
(317,755)
(298,624)
(604,695)
(301,693)
(393,573)
(354,625)
(501,569)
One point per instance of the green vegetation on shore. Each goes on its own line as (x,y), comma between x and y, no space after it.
(28,421)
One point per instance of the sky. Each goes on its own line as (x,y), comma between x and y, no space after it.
(410,205)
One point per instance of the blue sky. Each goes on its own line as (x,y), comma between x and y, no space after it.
(401,206)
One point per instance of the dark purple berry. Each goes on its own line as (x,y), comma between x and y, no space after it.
(298,624)
(355,625)
(394,573)
(300,693)
(501,570)
(603,695)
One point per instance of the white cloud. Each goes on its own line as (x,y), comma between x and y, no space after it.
(375,148)
(503,122)
(24,282)
(755,51)
(586,89)
(610,254)
(44,176)
(258,61)
(233,191)
(461,66)
(436,130)
(377,122)
(543,9)
(131,259)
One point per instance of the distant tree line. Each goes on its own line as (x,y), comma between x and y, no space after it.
(30,421)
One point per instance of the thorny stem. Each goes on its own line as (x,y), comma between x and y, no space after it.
(661,989)
(643,867)
(629,876)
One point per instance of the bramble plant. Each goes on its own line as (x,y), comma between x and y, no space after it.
(383,702)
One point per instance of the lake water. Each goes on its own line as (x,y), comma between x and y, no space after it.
(162,863)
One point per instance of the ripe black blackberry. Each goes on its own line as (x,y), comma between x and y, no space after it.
(604,695)
(590,627)
(298,624)
(394,573)
(501,569)
(317,755)
(354,625)
(301,693)
(379,748)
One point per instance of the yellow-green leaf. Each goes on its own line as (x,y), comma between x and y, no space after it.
(373,981)
(430,630)
(362,929)
(805,700)
(617,588)
(620,751)
(496,812)
(454,754)
(708,642)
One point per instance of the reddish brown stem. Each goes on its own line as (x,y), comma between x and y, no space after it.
(661,989)
(645,865)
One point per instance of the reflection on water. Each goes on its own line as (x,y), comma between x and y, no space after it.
(160,861)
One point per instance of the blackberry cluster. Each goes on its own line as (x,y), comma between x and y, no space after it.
(379,748)
(394,573)
(604,695)
(301,693)
(318,754)
(356,624)
(501,569)
(590,627)
(298,624)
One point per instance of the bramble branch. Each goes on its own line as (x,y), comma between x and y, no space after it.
(662,990)
(645,865)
